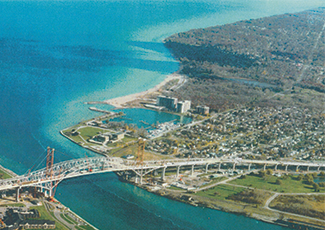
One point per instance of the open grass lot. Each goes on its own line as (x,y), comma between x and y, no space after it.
(214,180)
(220,192)
(68,219)
(124,141)
(4,174)
(89,132)
(47,216)
(133,149)
(13,205)
(310,205)
(288,185)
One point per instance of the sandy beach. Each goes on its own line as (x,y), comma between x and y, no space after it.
(119,102)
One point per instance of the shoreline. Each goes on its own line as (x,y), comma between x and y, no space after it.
(13,174)
(273,218)
(120,102)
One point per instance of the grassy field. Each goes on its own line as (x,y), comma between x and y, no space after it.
(214,180)
(310,205)
(220,192)
(89,132)
(68,219)
(47,216)
(133,149)
(4,174)
(13,205)
(289,185)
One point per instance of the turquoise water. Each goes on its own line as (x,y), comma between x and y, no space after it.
(55,55)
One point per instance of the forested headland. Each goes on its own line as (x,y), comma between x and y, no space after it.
(273,61)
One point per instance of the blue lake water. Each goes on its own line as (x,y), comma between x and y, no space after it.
(145,118)
(55,55)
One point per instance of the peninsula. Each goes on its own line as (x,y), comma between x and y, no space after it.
(263,81)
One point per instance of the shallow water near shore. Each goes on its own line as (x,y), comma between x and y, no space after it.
(56,55)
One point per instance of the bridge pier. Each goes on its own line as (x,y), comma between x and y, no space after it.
(17,194)
(318,169)
(249,167)
(192,170)
(307,168)
(45,193)
(219,166)
(50,191)
(206,168)
(276,167)
(297,168)
(286,168)
(163,173)
(141,175)
(234,167)
(264,167)
(177,172)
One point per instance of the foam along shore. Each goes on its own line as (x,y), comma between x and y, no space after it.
(119,102)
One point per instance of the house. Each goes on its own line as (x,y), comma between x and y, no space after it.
(118,136)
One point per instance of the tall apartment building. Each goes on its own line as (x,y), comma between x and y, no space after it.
(183,106)
(168,102)
(202,110)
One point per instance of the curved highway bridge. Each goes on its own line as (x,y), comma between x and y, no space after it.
(48,178)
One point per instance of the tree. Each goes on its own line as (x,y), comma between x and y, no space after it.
(300,177)
(314,175)
(262,173)
(278,181)
(316,187)
(269,171)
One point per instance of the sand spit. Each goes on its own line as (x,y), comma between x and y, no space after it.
(120,102)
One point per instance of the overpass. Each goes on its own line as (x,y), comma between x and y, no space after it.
(48,178)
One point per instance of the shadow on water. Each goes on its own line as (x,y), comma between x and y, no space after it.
(155,46)
(80,58)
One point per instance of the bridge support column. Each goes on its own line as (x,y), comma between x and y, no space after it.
(219,166)
(141,175)
(17,194)
(155,173)
(264,167)
(177,172)
(318,169)
(286,168)
(307,168)
(206,168)
(297,168)
(192,170)
(234,167)
(249,167)
(163,173)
